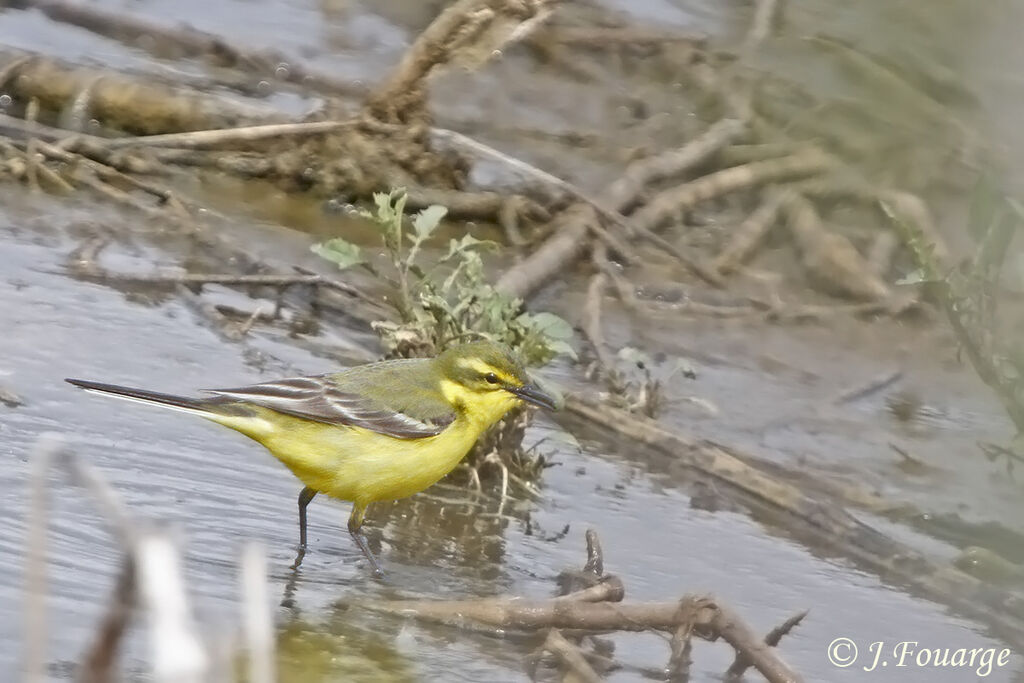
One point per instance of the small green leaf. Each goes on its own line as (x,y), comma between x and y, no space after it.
(465,244)
(340,252)
(427,220)
(548,324)
(562,348)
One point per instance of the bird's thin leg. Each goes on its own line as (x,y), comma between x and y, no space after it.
(305,496)
(355,521)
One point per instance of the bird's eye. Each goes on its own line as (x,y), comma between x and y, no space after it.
(491,378)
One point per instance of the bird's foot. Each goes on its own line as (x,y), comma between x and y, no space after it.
(298,556)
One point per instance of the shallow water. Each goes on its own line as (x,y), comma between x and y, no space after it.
(773,389)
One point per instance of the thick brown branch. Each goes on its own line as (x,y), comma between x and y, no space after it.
(674,201)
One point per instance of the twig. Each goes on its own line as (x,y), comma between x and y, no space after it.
(200,139)
(104,171)
(624,289)
(568,240)
(269,280)
(614,243)
(749,234)
(709,618)
(625,192)
(591,323)
(741,663)
(669,203)
(571,657)
(607,589)
(681,646)
(874,385)
(595,554)
(759,653)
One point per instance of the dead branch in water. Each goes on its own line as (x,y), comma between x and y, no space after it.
(670,203)
(818,515)
(118,102)
(703,617)
(571,657)
(742,663)
(183,41)
(627,191)
(569,233)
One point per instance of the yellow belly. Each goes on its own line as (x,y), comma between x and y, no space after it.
(358,465)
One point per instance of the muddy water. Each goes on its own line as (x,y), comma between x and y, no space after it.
(771,391)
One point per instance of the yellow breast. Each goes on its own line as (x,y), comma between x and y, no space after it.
(356,464)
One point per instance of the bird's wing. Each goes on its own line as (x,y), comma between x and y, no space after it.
(340,400)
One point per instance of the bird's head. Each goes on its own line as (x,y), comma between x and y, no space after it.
(488,374)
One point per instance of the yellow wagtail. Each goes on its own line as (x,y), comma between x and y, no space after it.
(380,431)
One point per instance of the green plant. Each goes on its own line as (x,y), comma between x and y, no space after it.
(448,302)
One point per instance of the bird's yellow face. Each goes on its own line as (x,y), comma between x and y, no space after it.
(486,381)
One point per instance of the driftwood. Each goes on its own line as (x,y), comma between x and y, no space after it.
(586,611)
(118,102)
(817,515)
(184,41)
(570,229)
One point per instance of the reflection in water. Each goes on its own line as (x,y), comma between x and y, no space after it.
(338,650)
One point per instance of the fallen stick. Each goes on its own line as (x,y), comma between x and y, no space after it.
(568,241)
(822,516)
(269,280)
(200,139)
(591,323)
(670,203)
(119,102)
(741,663)
(625,193)
(711,620)
(190,43)
(571,657)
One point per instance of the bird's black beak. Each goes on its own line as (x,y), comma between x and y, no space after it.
(533,395)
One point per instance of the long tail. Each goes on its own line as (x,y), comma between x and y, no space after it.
(196,406)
